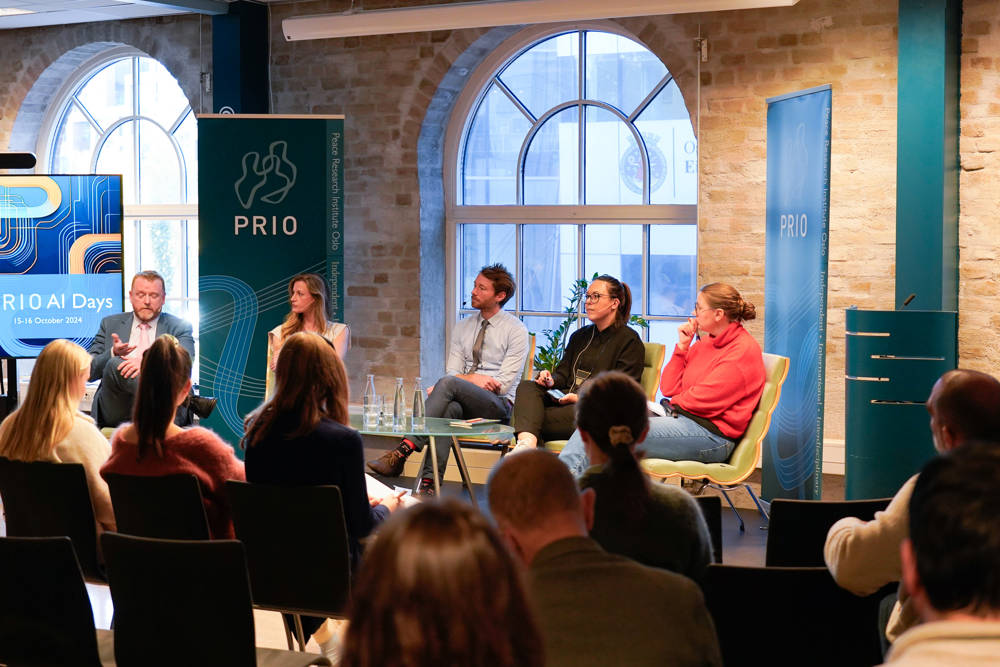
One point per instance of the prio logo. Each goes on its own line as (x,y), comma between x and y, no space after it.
(268,178)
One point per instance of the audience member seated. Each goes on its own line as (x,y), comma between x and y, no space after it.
(438,587)
(607,344)
(300,437)
(485,361)
(307,297)
(120,342)
(951,561)
(593,608)
(658,525)
(153,445)
(863,556)
(50,427)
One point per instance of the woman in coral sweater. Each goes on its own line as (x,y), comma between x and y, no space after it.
(153,445)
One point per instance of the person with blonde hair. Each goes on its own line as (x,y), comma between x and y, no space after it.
(48,426)
(153,445)
(307,297)
(438,587)
(301,437)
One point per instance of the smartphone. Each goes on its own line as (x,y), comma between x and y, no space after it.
(555,393)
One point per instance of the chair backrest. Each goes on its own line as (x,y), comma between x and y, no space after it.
(651,366)
(711,509)
(746,454)
(529,363)
(296,544)
(797,530)
(179,602)
(801,613)
(169,506)
(45,614)
(43,499)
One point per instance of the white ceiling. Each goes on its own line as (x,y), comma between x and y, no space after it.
(58,12)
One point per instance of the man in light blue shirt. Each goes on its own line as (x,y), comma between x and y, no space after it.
(485,362)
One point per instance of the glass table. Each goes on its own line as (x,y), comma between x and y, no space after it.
(437,427)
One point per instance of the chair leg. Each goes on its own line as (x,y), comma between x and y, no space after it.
(299,633)
(463,470)
(757,501)
(730,501)
(288,635)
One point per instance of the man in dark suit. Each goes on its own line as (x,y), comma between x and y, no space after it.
(118,346)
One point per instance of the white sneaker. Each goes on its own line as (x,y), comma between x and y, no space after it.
(521,446)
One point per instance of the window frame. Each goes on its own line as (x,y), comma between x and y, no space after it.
(457,213)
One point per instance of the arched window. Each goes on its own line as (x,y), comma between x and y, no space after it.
(123,113)
(575,155)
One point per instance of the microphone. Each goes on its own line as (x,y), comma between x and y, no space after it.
(906,302)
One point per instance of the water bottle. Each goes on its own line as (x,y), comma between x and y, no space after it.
(370,410)
(398,407)
(418,406)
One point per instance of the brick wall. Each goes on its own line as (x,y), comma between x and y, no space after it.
(387,85)
(979,188)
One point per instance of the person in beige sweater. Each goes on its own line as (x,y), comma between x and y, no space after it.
(48,426)
(863,556)
(951,561)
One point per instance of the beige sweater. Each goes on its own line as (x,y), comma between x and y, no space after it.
(85,444)
(943,643)
(863,556)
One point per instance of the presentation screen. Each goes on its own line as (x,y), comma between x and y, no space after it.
(60,259)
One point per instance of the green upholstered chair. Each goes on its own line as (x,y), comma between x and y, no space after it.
(652,364)
(742,462)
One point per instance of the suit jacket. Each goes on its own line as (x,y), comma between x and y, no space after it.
(121,324)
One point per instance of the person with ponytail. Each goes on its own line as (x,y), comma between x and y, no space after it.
(50,427)
(659,525)
(608,343)
(713,382)
(152,445)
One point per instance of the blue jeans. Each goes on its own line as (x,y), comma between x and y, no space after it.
(673,438)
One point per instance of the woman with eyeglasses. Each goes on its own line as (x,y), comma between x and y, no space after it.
(544,407)
(713,382)
(307,298)
(153,445)
(48,426)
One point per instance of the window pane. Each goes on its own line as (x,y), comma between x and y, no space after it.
(551,167)
(491,151)
(160,96)
(617,251)
(159,170)
(163,248)
(614,165)
(620,71)
(107,96)
(546,74)
(74,144)
(673,270)
(538,325)
(548,266)
(483,245)
(187,136)
(673,150)
(118,157)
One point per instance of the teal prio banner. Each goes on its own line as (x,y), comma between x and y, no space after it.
(270,206)
(795,286)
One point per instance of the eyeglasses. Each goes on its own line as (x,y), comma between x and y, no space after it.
(597,296)
(699,309)
(142,295)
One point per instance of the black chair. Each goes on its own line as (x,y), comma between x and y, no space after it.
(185,602)
(43,499)
(711,509)
(45,614)
(798,528)
(169,507)
(790,616)
(297,548)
